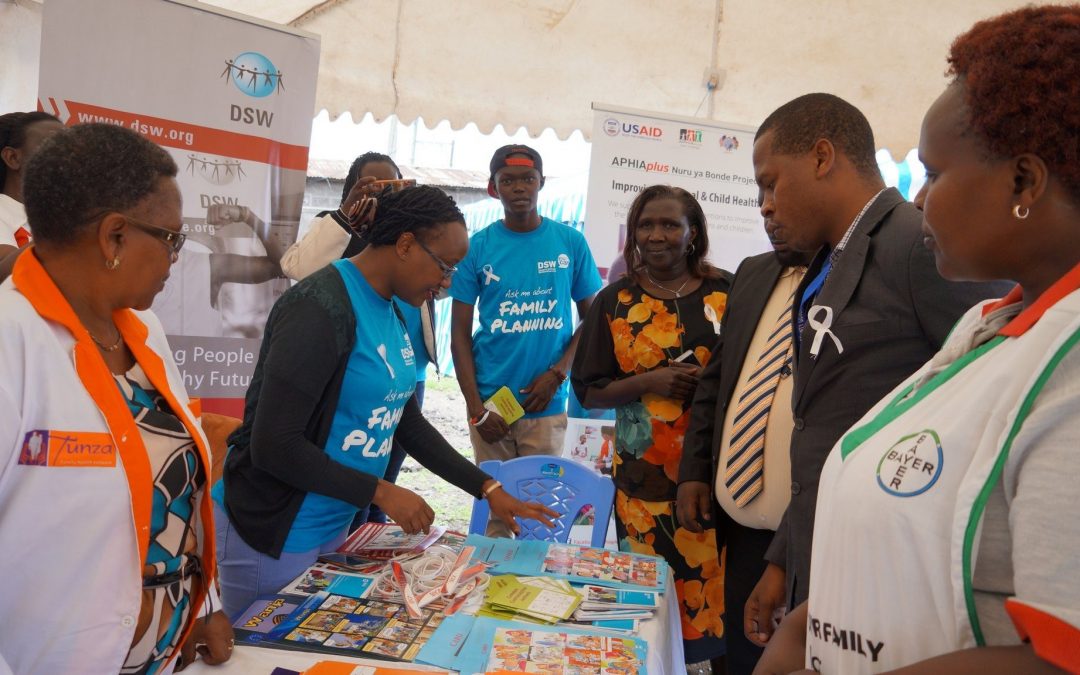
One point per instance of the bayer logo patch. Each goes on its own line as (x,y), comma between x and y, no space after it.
(912,465)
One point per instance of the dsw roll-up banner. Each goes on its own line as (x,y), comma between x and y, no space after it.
(632,150)
(231,100)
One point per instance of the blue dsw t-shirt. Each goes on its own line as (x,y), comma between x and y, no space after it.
(525,285)
(379,379)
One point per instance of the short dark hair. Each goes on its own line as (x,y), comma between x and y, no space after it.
(358,167)
(1020,74)
(13,128)
(83,173)
(801,122)
(695,260)
(415,209)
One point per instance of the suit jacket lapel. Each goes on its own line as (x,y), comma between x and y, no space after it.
(841,284)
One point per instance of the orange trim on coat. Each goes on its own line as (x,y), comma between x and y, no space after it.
(1029,316)
(22,237)
(33,281)
(1054,640)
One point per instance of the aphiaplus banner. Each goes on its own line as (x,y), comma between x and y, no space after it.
(633,149)
(231,99)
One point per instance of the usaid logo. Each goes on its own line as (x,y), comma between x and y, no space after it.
(253,74)
(545,266)
(912,465)
(564,261)
(611,126)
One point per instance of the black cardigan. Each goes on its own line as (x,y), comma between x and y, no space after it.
(276,456)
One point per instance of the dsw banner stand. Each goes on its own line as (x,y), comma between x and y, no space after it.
(632,149)
(231,100)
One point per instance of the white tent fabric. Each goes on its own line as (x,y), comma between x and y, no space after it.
(541,63)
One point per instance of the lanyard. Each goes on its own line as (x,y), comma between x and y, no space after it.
(811,292)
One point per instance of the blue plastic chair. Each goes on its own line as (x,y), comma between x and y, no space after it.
(561,484)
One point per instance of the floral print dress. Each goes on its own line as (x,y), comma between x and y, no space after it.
(629,332)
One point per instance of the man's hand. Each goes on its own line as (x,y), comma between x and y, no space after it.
(766,598)
(507,508)
(212,638)
(694,501)
(677,380)
(404,507)
(494,428)
(540,391)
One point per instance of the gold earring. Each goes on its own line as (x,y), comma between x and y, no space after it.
(112,264)
(1021,215)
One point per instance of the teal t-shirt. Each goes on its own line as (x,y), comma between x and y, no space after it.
(379,379)
(416,336)
(524,285)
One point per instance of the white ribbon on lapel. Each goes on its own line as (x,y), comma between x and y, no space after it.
(821,329)
(489,275)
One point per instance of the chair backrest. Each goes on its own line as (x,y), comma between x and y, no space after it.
(561,484)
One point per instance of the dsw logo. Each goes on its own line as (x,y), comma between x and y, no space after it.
(253,74)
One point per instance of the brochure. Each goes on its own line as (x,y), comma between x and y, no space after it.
(382,541)
(506,404)
(578,564)
(339,620)
(317,578)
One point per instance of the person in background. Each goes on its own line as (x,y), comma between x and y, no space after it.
(105,516)
(943,541)
(735,461)
(642,347)
(523,274)
(21,134)
(332,390)
(331,237)
(869,311)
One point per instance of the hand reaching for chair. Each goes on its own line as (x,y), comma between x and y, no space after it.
(508,509)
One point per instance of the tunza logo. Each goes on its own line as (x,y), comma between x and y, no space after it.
(611,126)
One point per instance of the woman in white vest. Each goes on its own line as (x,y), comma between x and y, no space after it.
(945,541)
(107,542)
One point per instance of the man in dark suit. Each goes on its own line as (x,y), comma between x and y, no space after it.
(871,309)
(712,480)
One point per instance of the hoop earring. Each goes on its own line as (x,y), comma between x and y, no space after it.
(1017,214)
(690,250)
(112,264)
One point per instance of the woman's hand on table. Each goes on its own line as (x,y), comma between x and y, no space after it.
(677,380)
(404,507)
(508,508)
(212,638)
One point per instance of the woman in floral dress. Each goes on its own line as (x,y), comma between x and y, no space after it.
(642,346)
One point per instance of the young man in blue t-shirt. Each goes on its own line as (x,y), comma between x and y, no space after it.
(524,273)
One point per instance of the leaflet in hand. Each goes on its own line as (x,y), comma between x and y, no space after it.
(506,404)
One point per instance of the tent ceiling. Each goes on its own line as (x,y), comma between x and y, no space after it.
(541,63)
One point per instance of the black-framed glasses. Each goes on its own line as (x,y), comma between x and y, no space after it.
(172,239)
(448,271)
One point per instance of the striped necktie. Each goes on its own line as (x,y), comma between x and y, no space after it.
(745,473)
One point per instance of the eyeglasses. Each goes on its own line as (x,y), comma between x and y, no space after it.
(172,239)
(447,270)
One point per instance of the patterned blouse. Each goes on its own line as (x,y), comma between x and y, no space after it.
(629,332)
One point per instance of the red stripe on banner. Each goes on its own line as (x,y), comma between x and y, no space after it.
(174,134)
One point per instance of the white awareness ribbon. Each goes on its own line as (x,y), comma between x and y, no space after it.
(489,275)
(381,349)
(821,329)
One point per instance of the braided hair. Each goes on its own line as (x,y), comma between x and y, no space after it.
(416,209)
(358,166)
(13,128)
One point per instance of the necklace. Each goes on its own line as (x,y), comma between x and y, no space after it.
(108,348)
(676,292)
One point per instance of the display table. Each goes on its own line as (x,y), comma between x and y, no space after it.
(662,633)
